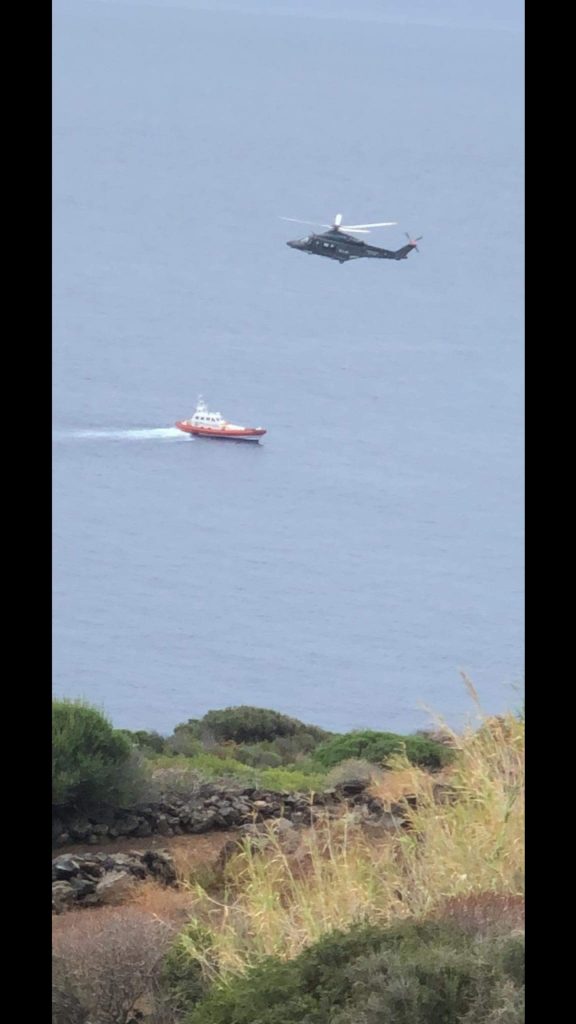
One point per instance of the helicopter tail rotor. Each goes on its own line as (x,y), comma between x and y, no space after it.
(413,241)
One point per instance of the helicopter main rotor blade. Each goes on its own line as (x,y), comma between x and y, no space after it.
(360,227)
(314,223)
(336,226)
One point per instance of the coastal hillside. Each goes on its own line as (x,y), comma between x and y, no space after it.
(385,883)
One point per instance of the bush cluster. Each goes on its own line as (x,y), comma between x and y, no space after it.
(95,764)
(92,763)
(352,770)
(409,973)
(255,725)
(377,747)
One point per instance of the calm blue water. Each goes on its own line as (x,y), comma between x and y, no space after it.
(346,569)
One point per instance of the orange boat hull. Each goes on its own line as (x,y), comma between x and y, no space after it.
(244,434)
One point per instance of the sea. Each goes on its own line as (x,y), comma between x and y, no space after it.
(364,560)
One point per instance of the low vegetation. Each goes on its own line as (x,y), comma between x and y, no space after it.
(335,924)
(409,973)
(106,967)
(95,764)
(280,901)
(259,747)
(92,763)
(378,747)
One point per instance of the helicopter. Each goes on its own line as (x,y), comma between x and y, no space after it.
(338,243)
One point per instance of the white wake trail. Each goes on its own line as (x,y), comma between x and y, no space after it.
(143,434)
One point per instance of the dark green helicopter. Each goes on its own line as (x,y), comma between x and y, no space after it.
(338,243)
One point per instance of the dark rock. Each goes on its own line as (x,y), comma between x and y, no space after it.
(400,809)
(211,807)
(351,788)
(65,867)
(298,817)
(131,862)
(80,829)
(82,887)
(385,822)
(114,887)
(63,896)
(91,868)
(375,805)
(128,824)
(161,866)
(104,815)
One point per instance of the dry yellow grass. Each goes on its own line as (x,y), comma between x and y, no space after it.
(393,786)
(170,905)
(278,902)
(197,853)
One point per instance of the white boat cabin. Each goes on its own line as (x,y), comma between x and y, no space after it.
(203,418)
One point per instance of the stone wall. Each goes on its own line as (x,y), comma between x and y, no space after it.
(96,878)
(90,879)
(210,807)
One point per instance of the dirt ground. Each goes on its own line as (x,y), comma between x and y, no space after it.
(198,848)
(174,906)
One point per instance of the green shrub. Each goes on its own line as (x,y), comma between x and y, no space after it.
(193,726)
(178,780)
(507,955)
(211,768)
(185,739)
(258,757)
(442,983)
(293,748)
(295,779)
(184,978)
(379,746)
(147,742)
(214,767)
(284,750)
(252,725)
(352,770)
(92,763)
(502,1004)
(410,973)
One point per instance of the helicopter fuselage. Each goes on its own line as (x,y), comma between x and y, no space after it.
(337,245)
